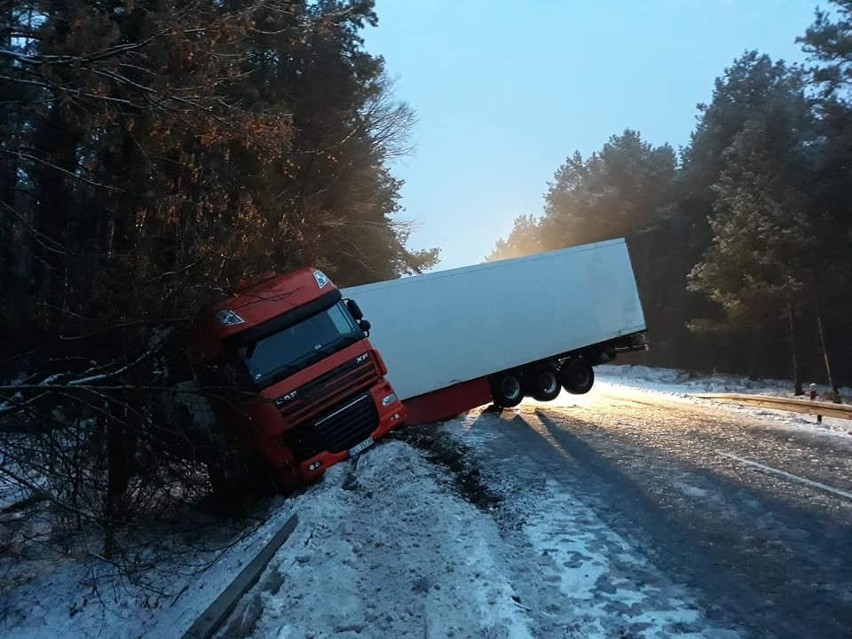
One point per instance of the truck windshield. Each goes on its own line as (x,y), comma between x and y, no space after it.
(280,354)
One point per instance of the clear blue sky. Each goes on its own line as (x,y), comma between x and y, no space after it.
(505,90)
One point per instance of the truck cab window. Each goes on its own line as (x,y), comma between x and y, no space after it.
(294,347)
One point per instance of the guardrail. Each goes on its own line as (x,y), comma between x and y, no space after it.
(211,619)
(826,409)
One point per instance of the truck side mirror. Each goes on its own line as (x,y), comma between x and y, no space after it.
(353,307)
(364,325)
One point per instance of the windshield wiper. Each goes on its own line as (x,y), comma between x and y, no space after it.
(337,344)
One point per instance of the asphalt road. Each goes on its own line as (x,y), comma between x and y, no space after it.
(715,498)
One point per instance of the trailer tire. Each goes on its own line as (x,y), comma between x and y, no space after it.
(507,389)
(577,377)
(544,384)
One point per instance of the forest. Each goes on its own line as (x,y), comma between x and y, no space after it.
(154,154)
(742,240)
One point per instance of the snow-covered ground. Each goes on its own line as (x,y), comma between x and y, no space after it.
(685,386)
(680,382)
(390,546)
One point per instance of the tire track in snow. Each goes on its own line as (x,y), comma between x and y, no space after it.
(578,577)
(769,554)
(389,551)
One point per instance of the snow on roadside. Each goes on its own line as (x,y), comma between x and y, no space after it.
(679,381)
(89,597)
(388,551)
(579,576)
(685,386)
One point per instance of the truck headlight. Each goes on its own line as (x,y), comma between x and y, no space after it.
(387,400)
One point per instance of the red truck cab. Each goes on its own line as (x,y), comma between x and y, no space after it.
(292,376)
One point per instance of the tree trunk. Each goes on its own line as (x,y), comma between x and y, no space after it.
(56,143)
(121,449)
(794,347)
(835,393)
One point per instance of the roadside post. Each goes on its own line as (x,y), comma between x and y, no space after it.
(812,394)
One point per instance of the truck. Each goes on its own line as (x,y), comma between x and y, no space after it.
(291,377)
(500,331)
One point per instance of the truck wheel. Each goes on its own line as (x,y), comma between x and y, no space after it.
(507,389)
(577,377)
(544,383)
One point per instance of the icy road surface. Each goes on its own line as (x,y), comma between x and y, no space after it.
(391,554)
(635,511)
(624,513)
(753,516)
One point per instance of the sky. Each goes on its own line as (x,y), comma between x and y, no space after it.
(506,90)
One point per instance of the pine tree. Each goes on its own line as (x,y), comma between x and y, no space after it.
(525,238)
(154,154)
(613,193)
(760,265)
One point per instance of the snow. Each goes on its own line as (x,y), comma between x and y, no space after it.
(387,550)
(678,381)
(605,587)
(387,547)
(573,540)
(93,598)
(684,386)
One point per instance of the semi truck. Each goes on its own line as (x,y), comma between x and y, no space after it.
(500,331)
(299,380)
(291,377)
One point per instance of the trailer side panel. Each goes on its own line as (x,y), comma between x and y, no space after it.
(444,328)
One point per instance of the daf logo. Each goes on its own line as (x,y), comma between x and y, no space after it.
(227,317)
(321,278)
(281,401)
(286,398)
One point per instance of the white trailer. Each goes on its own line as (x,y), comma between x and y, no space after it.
(525,325)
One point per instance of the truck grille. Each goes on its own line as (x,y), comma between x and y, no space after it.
(347,426)
(318,396)
(338,430)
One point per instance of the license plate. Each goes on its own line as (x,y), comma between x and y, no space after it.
(359,447)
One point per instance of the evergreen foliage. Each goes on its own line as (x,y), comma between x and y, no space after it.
(154,154)
(742,242)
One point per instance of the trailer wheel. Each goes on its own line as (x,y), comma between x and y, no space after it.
(577,377)
(507,389)
(544,384)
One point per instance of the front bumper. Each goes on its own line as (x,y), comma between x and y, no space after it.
(389,417)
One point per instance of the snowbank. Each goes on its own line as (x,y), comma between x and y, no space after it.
(387,547)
